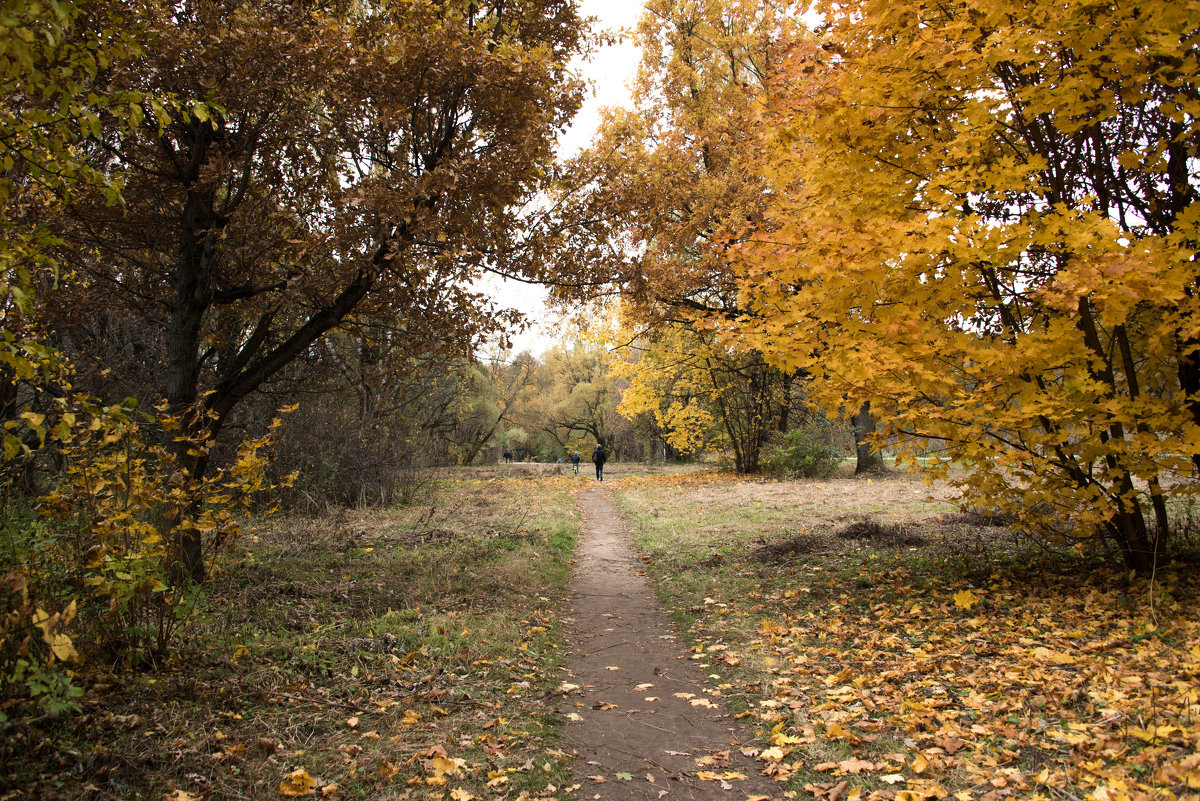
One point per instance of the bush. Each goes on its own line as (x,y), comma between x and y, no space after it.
(801,453)
(341,462)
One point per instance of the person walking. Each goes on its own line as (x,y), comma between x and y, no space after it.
(599,456)
(575,462)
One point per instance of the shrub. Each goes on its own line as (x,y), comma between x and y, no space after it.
(801,453)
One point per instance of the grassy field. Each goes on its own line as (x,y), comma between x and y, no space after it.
(886,647)
(383,654)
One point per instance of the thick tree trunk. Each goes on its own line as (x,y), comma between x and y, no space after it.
(868,460)
(1128,528)
(192,297)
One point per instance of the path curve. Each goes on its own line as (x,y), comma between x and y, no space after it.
(628,662)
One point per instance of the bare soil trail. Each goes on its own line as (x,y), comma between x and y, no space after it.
(649,727)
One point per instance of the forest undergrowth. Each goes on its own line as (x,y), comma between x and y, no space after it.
(889,648)
(403,653)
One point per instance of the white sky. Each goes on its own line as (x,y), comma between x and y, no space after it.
(611,71)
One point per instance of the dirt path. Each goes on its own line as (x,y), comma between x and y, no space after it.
(646,714)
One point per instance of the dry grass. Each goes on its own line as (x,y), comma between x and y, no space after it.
(356,646)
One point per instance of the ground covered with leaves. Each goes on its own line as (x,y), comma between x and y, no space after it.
(377,654)
(888,647)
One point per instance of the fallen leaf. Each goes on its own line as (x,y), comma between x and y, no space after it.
(965,599)
(775,754)
(297,783)
(448,765)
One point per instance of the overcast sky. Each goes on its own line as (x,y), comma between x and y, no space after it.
(611,71)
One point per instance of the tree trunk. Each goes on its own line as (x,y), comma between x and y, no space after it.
(192,296)
(1189,382)
(868,459)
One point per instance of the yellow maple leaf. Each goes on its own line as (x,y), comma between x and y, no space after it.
(774,754)
(965,599)
(297,783)
(459,794)
(447,765)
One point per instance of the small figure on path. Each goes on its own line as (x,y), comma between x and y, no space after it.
(507,456)
(599,456)
(575,461)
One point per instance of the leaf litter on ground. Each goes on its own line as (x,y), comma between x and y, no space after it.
(907,674)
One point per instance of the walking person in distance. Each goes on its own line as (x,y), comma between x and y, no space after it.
(599,456)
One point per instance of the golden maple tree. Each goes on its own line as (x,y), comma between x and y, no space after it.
(986,228)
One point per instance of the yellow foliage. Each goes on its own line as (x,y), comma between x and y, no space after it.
(947,242)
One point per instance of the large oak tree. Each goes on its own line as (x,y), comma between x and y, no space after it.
(321,164)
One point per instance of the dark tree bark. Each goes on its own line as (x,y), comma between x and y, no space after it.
(868,459)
